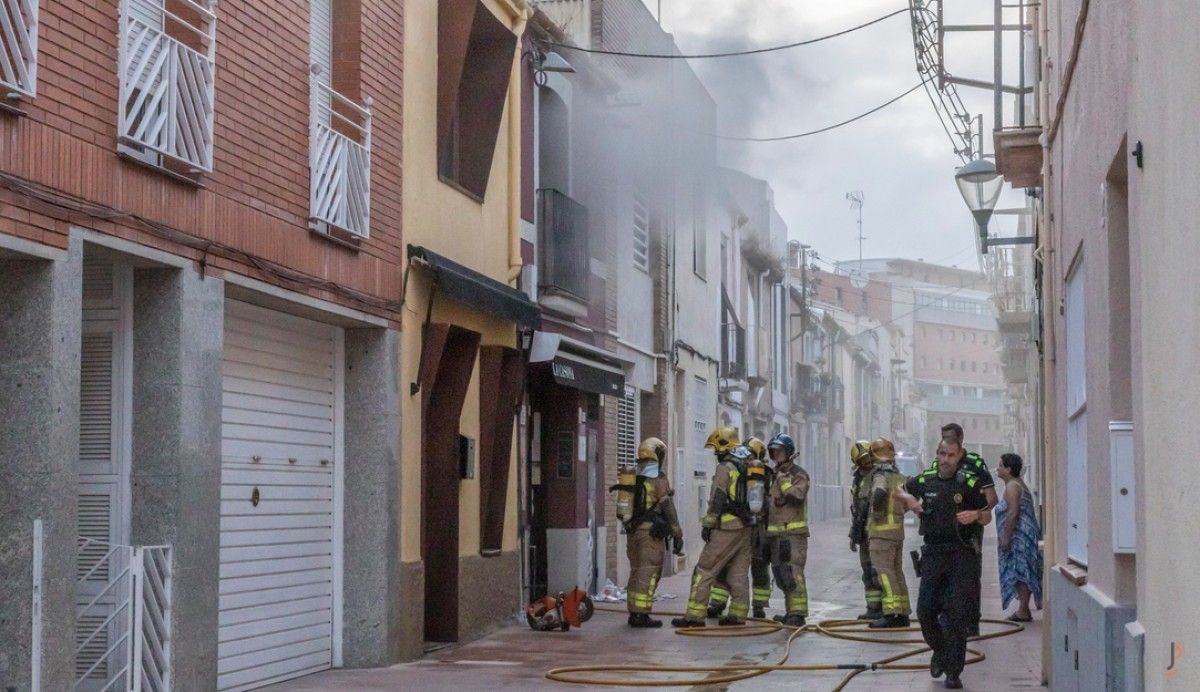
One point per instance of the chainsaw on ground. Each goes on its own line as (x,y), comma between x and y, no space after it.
(548,613)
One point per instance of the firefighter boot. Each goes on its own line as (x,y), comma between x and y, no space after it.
(874,612)
(760,612)
(643,620)
(685,622)
(791,620)
(731,621)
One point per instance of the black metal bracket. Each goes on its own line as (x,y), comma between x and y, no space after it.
(1139,154)
(1020,240)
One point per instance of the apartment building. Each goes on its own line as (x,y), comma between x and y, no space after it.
(201,259)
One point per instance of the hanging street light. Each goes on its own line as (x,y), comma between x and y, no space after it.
(980,184)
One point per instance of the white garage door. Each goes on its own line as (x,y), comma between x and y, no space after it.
(280,513)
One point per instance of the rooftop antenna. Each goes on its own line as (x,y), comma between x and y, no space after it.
(857,200)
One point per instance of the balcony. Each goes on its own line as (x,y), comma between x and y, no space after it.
(339,165)
(564,257)
(18,48)
(166,70)
(733,352)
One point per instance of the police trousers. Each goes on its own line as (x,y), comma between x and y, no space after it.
(788,557)
(887,557)
(948,580)
(727,551)
(645,554)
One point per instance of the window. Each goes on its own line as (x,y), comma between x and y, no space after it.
(18,47)
(952,335)
(974,364)
(924,362)
(475,59)
(974,337)
(641,232)
(951,363)
(165,117)
(340,141)
(1074,329)
(985,368)
(837,295)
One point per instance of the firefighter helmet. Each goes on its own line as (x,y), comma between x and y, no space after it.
(785,442)
(723,439)
(652,449)
(883,449)
(860,452)
(757,447)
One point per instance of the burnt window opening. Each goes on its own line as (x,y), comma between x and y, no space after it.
(475,58)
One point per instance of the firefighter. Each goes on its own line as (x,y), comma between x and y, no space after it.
(726,534)
(953,512)
(885,535)
(654,520)
(787,527)
(760,556)
(860,510)
(973,463)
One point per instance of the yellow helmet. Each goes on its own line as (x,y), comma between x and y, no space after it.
(756,445)
(860,452)
(883,449)
(652,449)
(723,439)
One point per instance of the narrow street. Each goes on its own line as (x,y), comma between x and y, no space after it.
(516,657)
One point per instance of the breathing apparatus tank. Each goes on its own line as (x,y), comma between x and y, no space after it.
(756,485)
(626,484)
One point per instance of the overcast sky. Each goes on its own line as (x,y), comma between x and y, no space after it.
(900,157)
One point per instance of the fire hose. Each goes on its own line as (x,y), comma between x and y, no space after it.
(637,675)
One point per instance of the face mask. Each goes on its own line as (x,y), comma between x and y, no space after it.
(649,469)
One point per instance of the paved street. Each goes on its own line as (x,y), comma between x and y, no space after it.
(517,658)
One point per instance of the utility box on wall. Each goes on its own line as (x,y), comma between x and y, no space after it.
(466,457)
(1124,486)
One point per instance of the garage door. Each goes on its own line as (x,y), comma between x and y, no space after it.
(280,529)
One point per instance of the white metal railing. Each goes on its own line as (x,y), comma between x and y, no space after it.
(123,618)
(340,160)
(18,47)
(167,79)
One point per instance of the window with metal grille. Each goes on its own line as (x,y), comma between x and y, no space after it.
(18,47)
(641,232)
(627,426)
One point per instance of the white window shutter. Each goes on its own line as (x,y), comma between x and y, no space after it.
(321,46)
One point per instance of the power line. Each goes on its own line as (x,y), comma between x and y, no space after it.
(835,126)
(730,54)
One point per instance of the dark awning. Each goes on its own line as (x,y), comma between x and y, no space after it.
(476,290)
(580,373)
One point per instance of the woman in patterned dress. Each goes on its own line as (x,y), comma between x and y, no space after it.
(1019,533)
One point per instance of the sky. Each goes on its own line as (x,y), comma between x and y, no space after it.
(900,158)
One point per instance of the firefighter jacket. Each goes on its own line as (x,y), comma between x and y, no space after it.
(787,510)
(860,505)
(887,513)
(727,507)
(652,504)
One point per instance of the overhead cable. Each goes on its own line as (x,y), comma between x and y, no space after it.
(835,126)
(729,54)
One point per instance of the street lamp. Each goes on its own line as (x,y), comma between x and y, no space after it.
(980,184)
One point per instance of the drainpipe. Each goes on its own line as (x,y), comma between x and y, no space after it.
(514,154)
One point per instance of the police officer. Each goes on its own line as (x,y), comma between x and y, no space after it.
(885,534)
(975,464)
(760,555)
(952,508)
(787,527)
(654,520)
(726,534)
(860,509)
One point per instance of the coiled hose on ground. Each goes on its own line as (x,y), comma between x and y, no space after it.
(852,630)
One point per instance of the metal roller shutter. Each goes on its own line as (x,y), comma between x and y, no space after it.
(280,512)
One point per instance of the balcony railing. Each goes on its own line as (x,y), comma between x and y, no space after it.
(167,79)
(18,47)
(563,244)
(340,161)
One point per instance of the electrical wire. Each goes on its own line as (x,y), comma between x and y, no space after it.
(835,126)
(729,54)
